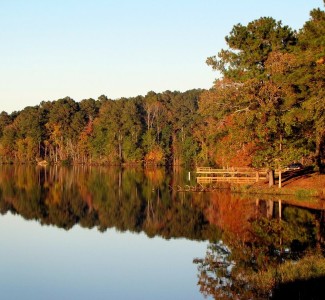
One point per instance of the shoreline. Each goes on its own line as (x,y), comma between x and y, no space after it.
(302,187)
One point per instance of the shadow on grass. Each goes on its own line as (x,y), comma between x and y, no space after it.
(312,289)
(290,176)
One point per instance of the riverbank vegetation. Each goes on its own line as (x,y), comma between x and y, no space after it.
(266,110)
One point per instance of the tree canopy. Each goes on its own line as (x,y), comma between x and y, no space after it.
(267,109)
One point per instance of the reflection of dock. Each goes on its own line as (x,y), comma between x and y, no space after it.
(233,175)
(42,163)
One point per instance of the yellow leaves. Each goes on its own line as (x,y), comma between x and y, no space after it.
(55,132)
(55,195)
(155,156)
(155,175)
(320,61)
(2,151)
(84,137)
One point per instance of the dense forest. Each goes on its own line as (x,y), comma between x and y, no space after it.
(155,129)
(266,110)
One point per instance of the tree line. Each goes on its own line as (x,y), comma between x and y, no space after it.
(152,129)
(266,110)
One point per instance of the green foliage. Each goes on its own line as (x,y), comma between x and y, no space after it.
(311,266)
(251,46)
(158,127)
(271,92)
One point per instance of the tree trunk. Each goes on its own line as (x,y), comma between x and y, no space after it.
(39,148)
(318,153)
(280,179)
(269,209)
(120,147)
(271,177)
(56,154)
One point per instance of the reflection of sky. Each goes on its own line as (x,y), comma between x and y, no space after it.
(45,262)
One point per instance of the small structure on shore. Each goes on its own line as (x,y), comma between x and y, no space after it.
(232,175)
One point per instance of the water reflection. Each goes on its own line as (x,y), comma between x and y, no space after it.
(268,250)
(46,262)
(131,199)
(259,248)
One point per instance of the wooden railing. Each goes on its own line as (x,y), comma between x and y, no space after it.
(203,180)
(234,174)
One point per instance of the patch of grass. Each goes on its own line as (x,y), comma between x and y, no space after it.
(307,268)
(252,189)
(303,194)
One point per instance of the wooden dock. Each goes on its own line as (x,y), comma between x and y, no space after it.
(235,175)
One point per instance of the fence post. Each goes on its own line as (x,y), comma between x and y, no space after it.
(280,178)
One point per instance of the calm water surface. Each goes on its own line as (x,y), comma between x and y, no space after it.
(99,233)
(39,262)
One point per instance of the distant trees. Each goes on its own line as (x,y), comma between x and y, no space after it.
(154,129)
(117,132)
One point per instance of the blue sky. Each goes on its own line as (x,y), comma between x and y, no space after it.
(120,48)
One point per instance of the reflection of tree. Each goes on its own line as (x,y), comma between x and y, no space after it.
(231,213)
(215,270)
(271,254)
(127,199)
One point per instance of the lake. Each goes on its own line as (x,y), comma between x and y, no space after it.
(112,233)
